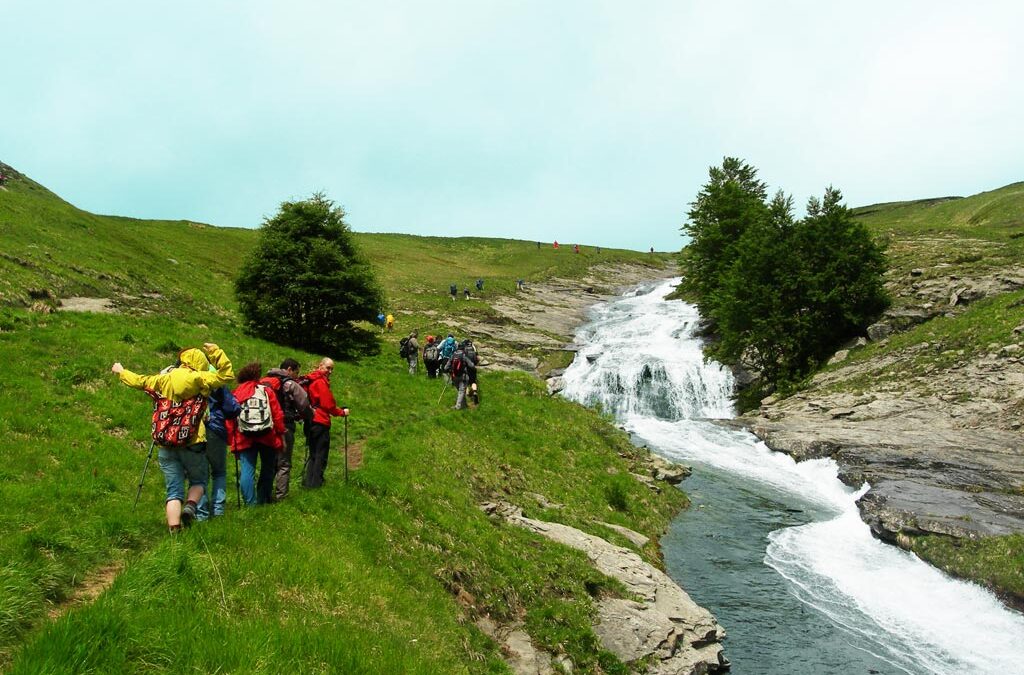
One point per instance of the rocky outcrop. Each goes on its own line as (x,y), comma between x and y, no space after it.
(543,317)
(661,630)
(940,444)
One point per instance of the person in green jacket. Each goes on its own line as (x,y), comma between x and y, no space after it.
(192,376)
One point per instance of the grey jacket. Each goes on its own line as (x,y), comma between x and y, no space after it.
(295,391)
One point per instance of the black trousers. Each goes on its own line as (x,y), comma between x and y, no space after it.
(318,440)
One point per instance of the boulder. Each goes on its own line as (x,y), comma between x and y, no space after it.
(879,331)
(660,629)
(839,357)
(633,536)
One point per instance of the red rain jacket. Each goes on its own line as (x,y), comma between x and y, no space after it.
(240,441)
(321,398)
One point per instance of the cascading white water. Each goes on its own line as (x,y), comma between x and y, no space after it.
(639,359)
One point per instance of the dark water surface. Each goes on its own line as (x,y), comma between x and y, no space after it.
(715,550)
(774,548)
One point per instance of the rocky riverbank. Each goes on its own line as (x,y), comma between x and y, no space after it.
(660,630)
(934,429)
(541,320)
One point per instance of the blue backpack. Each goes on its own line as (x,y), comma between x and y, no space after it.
(447,348)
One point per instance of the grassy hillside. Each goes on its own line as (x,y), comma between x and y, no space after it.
(935,245)
(952,235)
(386,573)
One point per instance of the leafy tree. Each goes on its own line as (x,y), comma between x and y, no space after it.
(306,282)
(756,315)
(781,294)
(842,273)
(725,207)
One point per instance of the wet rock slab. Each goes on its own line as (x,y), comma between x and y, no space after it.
(662,628)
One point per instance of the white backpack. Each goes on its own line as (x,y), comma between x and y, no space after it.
(255,418)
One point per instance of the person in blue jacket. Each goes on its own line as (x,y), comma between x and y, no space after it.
(447,348)
(222,406)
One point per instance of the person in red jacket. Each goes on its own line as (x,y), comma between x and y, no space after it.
(318,430)
(249,447)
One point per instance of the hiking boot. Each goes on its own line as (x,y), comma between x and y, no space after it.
(188,514)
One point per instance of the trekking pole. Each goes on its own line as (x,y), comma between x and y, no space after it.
(145,468)
(444,386)
(346,448)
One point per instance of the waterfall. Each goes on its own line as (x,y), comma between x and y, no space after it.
(639,360)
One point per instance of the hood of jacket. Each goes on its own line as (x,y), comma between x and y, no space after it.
(194,359)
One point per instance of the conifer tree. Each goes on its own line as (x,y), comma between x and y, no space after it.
(305,282)
(780,294)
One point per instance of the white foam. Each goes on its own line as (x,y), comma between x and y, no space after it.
(893,605)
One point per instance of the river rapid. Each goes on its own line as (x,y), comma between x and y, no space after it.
(774,548)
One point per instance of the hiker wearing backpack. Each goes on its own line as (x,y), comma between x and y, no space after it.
(431,357)
(472,391)
(389,323)
(410,350)
(454,290)
(179,395)
(295,402)
(318,430)
(256,434)
(446,350)
(459,368)
(222,406)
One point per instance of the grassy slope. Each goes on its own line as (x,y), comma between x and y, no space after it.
(973,236)
(384,574)
(978,233)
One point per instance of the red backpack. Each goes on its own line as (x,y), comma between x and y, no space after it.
(175,422)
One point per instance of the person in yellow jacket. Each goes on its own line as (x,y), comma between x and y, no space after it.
(191,377)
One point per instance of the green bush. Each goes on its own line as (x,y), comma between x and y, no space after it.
(306,282)
(782,294)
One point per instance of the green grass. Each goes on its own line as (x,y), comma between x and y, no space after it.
(997,562)
(940,343)
(952,235)
(386,573)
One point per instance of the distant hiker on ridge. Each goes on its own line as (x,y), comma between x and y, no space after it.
(431,356)
(447,349)
(412,351)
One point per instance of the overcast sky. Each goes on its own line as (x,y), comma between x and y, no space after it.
(577,120)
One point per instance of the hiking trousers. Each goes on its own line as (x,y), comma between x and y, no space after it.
(460,402)
(284,462)
(217,492)
(413,361)
(318,439)
(261,490)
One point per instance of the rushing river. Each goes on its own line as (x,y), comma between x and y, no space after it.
(776,549)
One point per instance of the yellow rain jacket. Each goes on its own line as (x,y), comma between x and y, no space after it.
(191,378)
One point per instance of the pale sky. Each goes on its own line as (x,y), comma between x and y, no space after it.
(582,121)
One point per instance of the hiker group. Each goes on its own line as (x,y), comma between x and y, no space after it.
(196,418)
(453,360)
